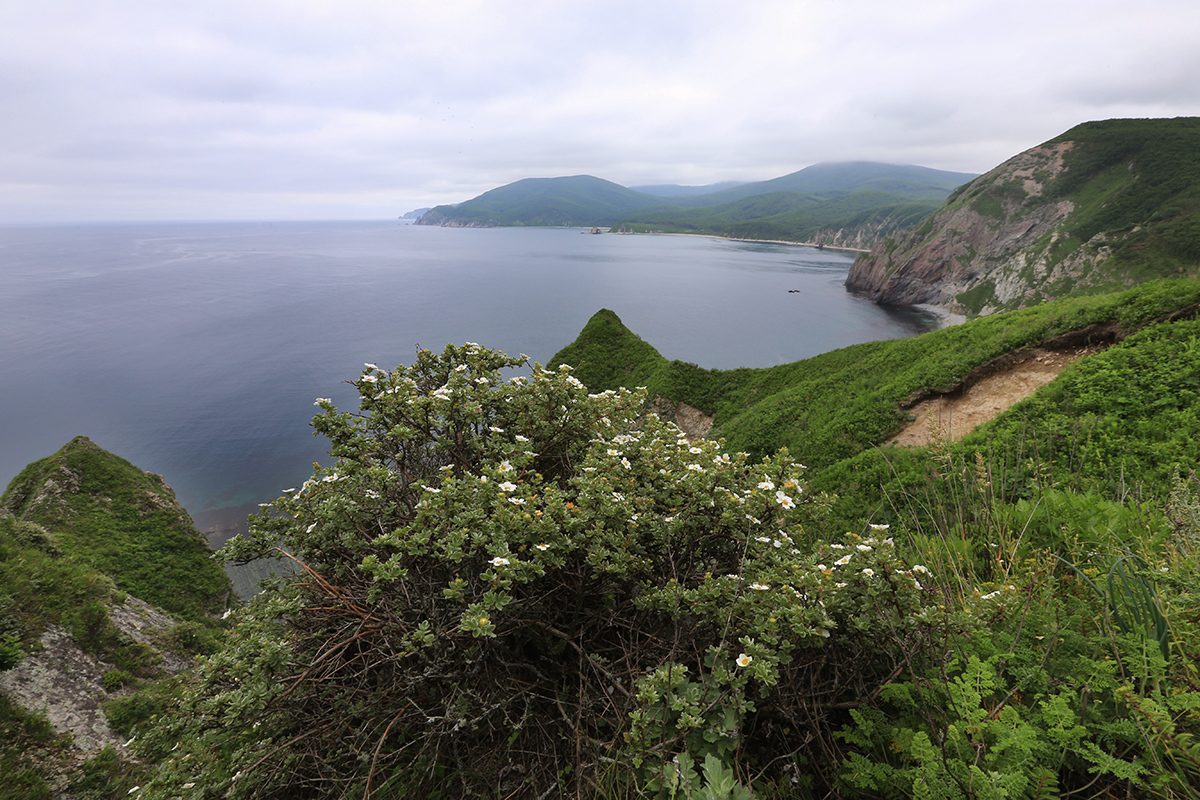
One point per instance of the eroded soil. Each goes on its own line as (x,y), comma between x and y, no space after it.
(954,414)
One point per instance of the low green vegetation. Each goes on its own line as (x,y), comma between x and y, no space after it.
(788,216)
(532,588)
(124,522)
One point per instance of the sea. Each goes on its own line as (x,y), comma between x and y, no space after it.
(196,350)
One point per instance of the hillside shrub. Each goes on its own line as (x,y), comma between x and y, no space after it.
(514,587)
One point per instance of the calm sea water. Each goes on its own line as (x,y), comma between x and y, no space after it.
(196,350)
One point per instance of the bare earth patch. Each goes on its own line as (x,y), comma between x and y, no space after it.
(954,414)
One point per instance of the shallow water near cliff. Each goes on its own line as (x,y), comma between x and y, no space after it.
(196,350)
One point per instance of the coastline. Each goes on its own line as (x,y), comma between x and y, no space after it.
(945,318)
(737,239)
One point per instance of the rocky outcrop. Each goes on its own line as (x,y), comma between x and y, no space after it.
(1104,206)
(65,683)
(988,247)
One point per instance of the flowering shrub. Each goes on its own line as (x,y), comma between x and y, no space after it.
(508,586)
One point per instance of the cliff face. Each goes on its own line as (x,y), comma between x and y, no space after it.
(983,236)
(1102,207)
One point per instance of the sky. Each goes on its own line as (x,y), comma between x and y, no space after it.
(356,109)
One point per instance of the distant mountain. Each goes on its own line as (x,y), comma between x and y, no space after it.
(1104,206)
(813,204)
(575,200)
(675,190)
(909,181)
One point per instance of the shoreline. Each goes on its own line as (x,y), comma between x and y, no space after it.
(813,245)
(945,318)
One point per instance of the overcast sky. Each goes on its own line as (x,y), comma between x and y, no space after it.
(306,109)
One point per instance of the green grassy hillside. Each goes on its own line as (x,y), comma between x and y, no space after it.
(124,522)
(837,405)
(789,216)
(909,181)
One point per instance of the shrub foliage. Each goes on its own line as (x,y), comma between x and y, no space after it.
(515,586)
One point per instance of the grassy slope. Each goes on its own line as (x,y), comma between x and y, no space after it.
(836,407)
(785,215)
(125,523)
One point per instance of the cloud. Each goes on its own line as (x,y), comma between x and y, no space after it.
(143,109)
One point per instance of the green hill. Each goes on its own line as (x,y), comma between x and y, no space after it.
(851,204)
(906,180)
(1101,207)
(575,200)
(856,219)
(838,406)
(122,521)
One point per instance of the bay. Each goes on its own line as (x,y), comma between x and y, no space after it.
(195,350)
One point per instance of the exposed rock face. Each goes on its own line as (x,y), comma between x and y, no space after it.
(996,235)
(64,682)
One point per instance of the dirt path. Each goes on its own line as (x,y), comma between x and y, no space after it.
(955,414)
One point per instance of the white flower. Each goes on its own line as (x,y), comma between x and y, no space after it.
(482,381)
(369,379)
(841,562)
(369,365)
(991,595)
(131,741)
(505,466)
(838,546)
(765,483)
(432,490)
(494,429)
(744,660)
(521,438)
(868,572)
(879,527)
(922,569)
(516,501)
(188,785)
(508,486)
(695,450)
(571,379)
(322,401)
(695,467)
(763,539)
(625,463)
(722,459)
(784,500)
(612,452)
(824,633)
(864,548)
(499,562)
(461,368)
(543,546)
(762,587)
(618,496)
(134,789)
